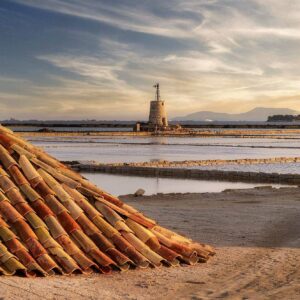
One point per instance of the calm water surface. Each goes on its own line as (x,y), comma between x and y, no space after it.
(138,149)
(36,128)
(192,141)
(122,185)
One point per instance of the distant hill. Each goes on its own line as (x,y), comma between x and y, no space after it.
(259,114)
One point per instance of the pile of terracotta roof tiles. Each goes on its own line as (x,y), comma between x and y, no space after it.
(54,221)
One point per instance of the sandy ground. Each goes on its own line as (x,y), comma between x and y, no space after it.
(256,233)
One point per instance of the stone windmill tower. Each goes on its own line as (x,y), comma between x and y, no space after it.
(157,117)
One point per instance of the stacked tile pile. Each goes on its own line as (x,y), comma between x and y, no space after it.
(54,221)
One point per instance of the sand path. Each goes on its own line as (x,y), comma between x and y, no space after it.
(256,233)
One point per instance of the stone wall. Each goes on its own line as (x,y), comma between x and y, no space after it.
(158,115)
(290,179)
(210,162)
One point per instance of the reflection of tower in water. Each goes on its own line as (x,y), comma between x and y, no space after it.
(156,151)
(157,185)
(155,147)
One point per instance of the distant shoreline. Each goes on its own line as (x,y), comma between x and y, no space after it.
(130,124)
(208,132)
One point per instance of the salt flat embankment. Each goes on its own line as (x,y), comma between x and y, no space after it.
(183,170)
(241,133)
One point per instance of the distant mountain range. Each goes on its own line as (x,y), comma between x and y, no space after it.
(258,114)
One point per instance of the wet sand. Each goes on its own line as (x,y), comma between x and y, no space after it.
(256,233)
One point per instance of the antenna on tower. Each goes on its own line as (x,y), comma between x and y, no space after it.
(157,93)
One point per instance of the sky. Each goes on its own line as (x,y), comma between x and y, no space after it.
(99,59)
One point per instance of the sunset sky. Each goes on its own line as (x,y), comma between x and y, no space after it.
(75,59)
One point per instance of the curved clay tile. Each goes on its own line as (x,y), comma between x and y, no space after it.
(54,221)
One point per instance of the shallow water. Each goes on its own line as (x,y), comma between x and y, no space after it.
(293,141)
(138,149)
(122,185)
(67,128)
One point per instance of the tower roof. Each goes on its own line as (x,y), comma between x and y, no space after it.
(54,221)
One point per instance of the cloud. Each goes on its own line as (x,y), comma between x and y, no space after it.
(218,48)
(219,19)
(13,80)
(219,54)
(197,62)
(86,66)
(134,17)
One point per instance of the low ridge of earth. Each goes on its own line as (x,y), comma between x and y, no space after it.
(257,237)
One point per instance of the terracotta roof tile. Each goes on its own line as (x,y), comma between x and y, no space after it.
(54,221)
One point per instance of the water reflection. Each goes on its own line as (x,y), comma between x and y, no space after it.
(121,185)
(116,152)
